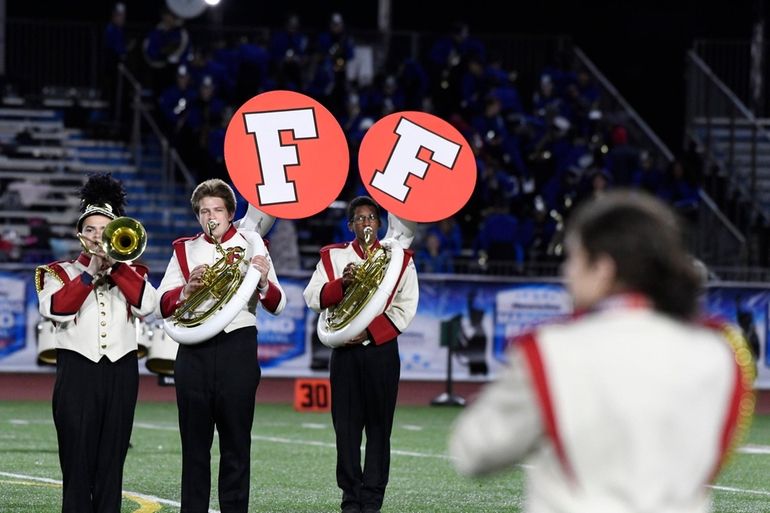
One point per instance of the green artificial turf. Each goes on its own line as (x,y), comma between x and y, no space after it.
(293,465)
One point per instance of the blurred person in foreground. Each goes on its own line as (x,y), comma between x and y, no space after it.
(216,379)
(632,405)
(364,372)
(93,301)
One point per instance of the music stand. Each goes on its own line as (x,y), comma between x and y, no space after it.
(449,338)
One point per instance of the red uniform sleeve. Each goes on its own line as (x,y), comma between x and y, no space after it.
(272,297)
(68,299)
(332,293)
(130,283)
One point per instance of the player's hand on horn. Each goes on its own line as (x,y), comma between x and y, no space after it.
(348,274)
(261,264)
(195,281)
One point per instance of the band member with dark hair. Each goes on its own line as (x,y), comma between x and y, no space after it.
(92,302)
(216,380)
(364,373)
(631,405)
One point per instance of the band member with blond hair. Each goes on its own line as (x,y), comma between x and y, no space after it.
(631,405)
(216,379)
(92,302)
(364,372)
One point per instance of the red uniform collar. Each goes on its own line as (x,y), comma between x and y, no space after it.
(229,234)
(360,250)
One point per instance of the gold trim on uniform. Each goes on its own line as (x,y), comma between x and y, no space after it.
(747,401)
(39,270)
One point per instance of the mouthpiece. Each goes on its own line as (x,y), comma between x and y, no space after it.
(212,226)
(368,235)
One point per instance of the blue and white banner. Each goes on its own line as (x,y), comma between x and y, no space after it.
(474,315)
(13,294)
(747,307)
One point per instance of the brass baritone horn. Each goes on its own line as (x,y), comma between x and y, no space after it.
(220,281)
(225,292)
(368,276)
(124,239)
(367,296)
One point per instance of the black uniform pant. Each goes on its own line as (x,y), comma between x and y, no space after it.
(93,410)
(216,382)
(364,382)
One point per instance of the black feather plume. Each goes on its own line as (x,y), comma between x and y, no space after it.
(103,188)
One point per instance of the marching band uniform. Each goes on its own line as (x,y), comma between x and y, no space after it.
(216,380)
(364,377)
(97,374)
(670,394)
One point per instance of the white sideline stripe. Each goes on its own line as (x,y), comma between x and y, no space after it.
(739,490)
(159,500)
(292,441)
(754,449)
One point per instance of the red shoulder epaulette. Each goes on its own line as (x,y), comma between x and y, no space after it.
(338,245)
(142,269)
(55,269)
(185,239)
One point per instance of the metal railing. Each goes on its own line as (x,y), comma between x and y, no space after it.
(713,108)
(144,126)
(713,237)
(730,60)
(614,104)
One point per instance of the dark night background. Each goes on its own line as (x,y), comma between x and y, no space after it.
(639,45)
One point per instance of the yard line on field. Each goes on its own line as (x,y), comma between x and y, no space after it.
(746,449)
(156,427)
(738,490)
(313,443)
(331,445)
(314,425)
(31,478)
(25,422)
(753,449)
(127,493)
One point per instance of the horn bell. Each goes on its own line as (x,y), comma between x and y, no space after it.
(124,239)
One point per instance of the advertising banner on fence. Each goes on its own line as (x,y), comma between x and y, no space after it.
(468,322)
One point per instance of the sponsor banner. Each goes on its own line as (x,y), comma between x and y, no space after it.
(460,324)
(13,294)
(18,322)
(747,308)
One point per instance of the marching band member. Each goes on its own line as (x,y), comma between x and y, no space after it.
(92,302)
(364,373)
(216,380)
(631,406)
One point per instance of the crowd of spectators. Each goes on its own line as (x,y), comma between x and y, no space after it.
(538,152)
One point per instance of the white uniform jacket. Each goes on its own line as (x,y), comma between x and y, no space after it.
(325,289)
(189,252)
(95,316)
(623,410)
